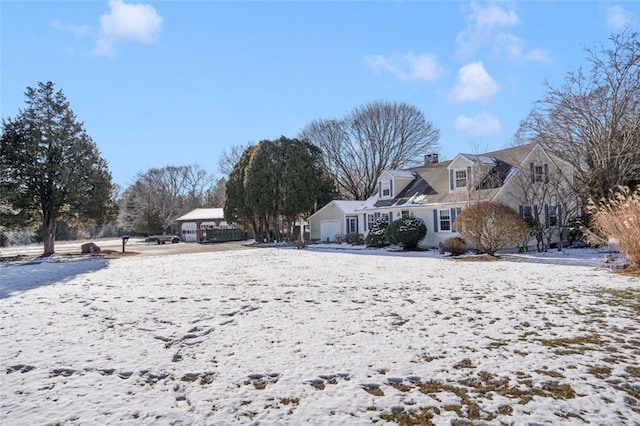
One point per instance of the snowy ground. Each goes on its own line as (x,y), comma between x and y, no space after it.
(319,336)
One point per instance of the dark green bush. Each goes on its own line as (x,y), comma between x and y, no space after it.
(455,245)
(406,231)
(376,234)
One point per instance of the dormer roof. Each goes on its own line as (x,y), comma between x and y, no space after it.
(480,159)
(406,174)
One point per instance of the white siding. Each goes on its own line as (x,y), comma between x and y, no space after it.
(329,212)
(329,229)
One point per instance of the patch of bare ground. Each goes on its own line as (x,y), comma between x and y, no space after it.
(626,297)
(17,258)
(472,391)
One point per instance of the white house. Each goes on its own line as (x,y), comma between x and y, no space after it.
(527,178)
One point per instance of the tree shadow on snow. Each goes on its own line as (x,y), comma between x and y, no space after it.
(16,278)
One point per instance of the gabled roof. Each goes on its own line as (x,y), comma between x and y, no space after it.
(202,214)
(431,183)
(408,174)
(480,159)
(347,206)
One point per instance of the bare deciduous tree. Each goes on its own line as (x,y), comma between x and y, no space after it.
(549,201)
(373,137)
(230,157)
(215,196)
(197,185)
(593,120)
(160,195)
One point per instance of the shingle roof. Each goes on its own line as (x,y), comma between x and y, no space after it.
(482,159)
(431,185)
(401,173)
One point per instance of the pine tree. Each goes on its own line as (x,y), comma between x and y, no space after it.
(50,169)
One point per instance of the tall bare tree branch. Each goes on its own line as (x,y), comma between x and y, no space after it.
(593,120)
(373,137)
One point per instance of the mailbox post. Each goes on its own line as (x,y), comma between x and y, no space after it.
(125,238)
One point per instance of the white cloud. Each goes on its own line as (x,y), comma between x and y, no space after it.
(513,47)
(127,22)
(407,66)
(480,125)
(619,18)
(483,19)
(76,30)
(474,84)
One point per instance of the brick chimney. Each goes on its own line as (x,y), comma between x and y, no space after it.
(430,159)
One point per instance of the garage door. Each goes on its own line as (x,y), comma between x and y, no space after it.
(189,232)
(329,229)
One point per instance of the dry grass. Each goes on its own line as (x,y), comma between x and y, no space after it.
(419,416)
(627,297)
(616,221)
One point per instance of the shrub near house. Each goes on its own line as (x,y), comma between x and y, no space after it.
(455,245)
(491,226)
(376,237)
(406,231)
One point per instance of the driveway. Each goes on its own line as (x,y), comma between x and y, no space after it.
(114,247)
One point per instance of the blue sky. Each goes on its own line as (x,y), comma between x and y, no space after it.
(178,82)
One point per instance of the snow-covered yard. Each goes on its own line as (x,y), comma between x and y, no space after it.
(319,336)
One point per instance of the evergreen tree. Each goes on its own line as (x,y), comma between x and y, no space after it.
(306,184)
(50,169)
(235,209)
(276,180)
(262,184)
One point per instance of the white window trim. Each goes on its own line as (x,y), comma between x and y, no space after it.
(440,220)
(352,221)
(386,187)
(458,180)
(371,218)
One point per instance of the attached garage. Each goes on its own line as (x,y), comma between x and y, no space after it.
(330,221)
(329,229)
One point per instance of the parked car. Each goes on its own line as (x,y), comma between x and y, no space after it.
(162,239)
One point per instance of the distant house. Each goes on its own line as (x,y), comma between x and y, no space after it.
(192,223)
(532,181)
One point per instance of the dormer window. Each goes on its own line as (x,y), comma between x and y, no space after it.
(461,178)
(386,189)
